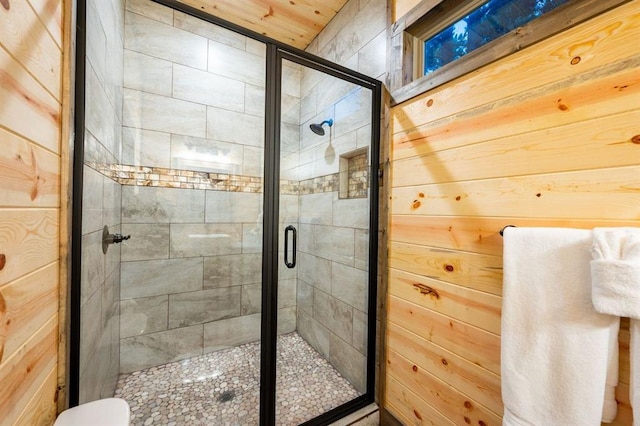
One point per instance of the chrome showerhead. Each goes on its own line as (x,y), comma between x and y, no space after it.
(317,128)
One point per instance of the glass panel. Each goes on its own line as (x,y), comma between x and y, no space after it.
(485,24)
(182,162)
(324,202)
(101,194)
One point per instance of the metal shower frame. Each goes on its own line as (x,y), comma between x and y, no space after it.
(276,52)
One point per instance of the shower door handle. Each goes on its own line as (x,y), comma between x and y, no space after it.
(286,246)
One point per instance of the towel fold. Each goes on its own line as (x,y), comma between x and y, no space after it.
(554,344)
(615,271)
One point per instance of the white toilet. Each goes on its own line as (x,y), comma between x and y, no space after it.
(103,412)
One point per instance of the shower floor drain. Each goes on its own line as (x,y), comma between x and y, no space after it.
(226,396)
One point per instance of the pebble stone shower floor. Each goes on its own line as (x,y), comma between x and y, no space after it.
(222,388)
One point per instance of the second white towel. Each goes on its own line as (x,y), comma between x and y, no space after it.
(615,273)
(554,344)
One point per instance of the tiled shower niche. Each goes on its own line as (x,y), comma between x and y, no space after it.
(354,174)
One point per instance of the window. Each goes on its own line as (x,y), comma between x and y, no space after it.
(440,40)
(491,20)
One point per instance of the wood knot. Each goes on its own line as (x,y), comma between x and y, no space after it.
(449,268)
(429,102)
(415,413)
(414,368)
(444,361)
(5,4)
(458,198)
(481,423)
(468,405)
(3,261)
(425,289)
(467,420)
(416,204)
(636,139)
(421,195)
(576,60)
(538,195)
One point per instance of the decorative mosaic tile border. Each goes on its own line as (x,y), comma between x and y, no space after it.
(317,185)
(189,179)
(175,178)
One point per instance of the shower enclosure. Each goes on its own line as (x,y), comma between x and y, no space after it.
(225,221)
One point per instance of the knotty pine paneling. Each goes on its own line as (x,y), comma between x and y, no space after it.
(558,195)
(295,23)
(401,7)
(30,174)
(39,410)
(29,241)
(24,373)
(529,140)
(30,111)
(477,308)
(409,408)
(50,13)
(588,97)
(29,302)
(625,413)
(452,369)
(478,346)
(444,398)
(597,143)
(471,270)
(29,41)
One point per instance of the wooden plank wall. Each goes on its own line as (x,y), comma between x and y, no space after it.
(401,7)
(549,136)
(30,110)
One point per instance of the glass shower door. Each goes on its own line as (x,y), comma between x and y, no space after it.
(190,181)
(325,137)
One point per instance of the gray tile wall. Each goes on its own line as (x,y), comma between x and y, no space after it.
(332,281)
(194,93)
(191,272)
(100,275)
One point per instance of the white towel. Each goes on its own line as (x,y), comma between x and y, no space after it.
(615,271)
(554,344)
(615,274)
(610,404)
(634,389)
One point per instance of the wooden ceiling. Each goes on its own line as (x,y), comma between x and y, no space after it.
(294,22)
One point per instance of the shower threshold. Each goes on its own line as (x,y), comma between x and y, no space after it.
(222,388)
